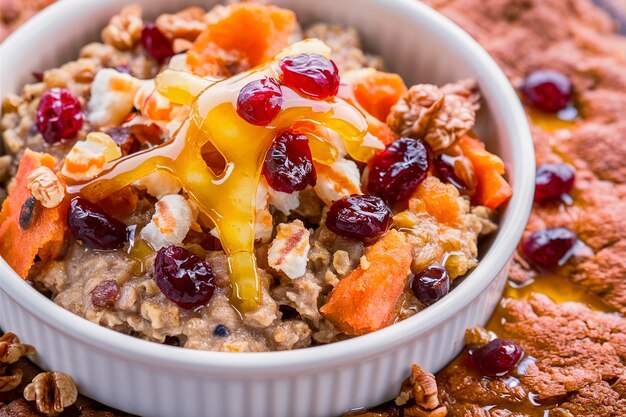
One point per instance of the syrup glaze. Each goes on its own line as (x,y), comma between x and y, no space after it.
(226,194)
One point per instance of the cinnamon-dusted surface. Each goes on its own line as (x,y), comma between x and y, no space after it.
(15,12)
(574,362)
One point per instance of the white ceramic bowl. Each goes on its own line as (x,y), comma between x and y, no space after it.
(157,380)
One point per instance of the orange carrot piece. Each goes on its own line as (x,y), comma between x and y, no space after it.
(365,300)
(378,91)
(45,235)
(440,200)
(250,31)
(380,130)
(492,190)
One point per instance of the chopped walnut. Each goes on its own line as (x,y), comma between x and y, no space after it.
(11,380)
(439,115)
(186,24)
(52,392)
(11,349)
(46,187)
(478,336)
(422,387)
(124,29)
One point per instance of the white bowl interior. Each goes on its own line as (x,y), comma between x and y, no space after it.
(416,42)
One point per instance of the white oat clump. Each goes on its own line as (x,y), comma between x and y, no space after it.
(170,223)
(338,180)
(159,184)
(112,96)
(290,249)
(87,157)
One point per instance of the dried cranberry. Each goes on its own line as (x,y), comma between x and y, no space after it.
(128,142)
(184,278)
(156,44)
(497,357)
(547,90)
(552,181)
(105,294)
(549,248)
(59,115)
(397,171)
(360,217)
(288,165)
(311,75)
(259,101)
(431,284)
(38,75)
(444,167)
(94,227)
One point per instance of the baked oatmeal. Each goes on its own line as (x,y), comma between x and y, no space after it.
(192,183)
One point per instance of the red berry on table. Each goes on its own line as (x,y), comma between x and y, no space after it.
(552,181)
(497,357)
(549,248)
(547,90)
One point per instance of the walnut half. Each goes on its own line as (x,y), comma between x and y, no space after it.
(422,387)
(52,392)
(11,349)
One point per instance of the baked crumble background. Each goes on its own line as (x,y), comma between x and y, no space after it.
(579,39)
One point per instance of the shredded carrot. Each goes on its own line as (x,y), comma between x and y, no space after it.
(438,199)
(249,31)
(365,300)
(378,91)
(44,237)
(492,190)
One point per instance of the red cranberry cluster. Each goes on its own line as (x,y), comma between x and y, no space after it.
(288,165)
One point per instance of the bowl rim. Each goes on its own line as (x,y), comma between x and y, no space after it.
(510,231)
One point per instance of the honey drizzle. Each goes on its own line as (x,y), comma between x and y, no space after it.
(228,197)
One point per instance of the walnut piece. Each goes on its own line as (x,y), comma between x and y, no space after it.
(46,187)
(11,350)
(11,379)
(478,336)
(422,387)
(186,24)
(124,29)
(52,392)
(439,115)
